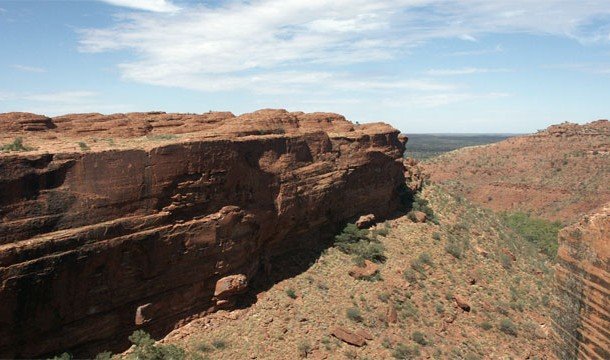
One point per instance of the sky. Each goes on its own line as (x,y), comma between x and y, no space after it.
(474,66)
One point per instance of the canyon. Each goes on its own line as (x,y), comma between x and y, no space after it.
(111,223)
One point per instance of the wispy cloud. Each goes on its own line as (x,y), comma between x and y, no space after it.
(497,49)
(61,97)
(162,6)
(463,71)
(31,69)
(442,99)
(254,45)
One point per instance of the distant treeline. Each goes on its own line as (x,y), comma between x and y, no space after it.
(425,146)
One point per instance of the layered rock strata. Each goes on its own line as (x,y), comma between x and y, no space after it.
(582,311)
(114,223)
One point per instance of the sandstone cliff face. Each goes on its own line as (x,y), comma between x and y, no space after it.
(162,217)
(582,312)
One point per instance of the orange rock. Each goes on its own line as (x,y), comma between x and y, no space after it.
(461,302)
(508,253)
(365,334)
(365,221)
(348,337)
(369,269)
(391,315)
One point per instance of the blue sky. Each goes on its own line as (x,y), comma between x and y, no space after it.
(421,65)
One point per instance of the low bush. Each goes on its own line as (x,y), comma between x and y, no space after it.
(146,349)
(403,351)
(507,327)
(360,243)
(354,314)
(419,338)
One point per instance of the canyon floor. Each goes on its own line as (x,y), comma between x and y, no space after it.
(466,256)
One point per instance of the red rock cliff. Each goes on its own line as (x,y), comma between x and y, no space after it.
(582,312)
(114,223)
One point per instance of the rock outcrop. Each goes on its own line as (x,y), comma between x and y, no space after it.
(128,221)
(559,174)
(581,316)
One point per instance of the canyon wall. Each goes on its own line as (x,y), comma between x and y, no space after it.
(581,315)
(114,223)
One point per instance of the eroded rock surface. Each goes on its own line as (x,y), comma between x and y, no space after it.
(582,313)
(136,229)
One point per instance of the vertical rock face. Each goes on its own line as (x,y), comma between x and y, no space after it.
(168,215)
(582,312)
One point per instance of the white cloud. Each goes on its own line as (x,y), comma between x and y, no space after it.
(442,99)
(61,97)
(147,5)
(277,46)
(463,71)
(25,68)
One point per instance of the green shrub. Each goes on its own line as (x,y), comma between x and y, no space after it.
(16,145)
(83,146)
(419,338)
(421,204)
(219,344)
(454,249)
(354,314)
(410,275)
(539,232)
(507,327)
(304,348)
(436,236)
(146,349)
(106,355)
(291,293)
(63,356)
(403,351)
(358,242)
(485,325)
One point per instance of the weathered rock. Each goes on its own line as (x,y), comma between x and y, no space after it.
(231,285)
(581,314)
(141,314)
(418,217)
(348,336)
(369,269)
(461,302)
(86,237)
(365,221)
(365,334)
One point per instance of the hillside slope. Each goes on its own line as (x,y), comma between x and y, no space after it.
(409,310)
(560,173)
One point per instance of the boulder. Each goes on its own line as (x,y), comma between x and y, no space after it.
(365,221)
(418,217)
(231,285)
(369,269)
(348,336)
(461,302)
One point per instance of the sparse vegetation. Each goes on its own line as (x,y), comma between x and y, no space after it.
(360,243)
(219,344)
(419,338)
(16,145)
(146,349)
(403,351)
(354,314)
(161,137)
(507,327)
(304,348)
(539,232)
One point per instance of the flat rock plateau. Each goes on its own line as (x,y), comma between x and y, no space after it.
(111,223)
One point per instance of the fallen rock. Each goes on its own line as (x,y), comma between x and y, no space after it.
(142,315)
(419,217)
(231,285)
(369,269)
(348,337)
(365,221)
(461,302)
(365,334)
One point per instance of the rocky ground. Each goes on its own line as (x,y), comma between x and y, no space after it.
(467,288)
(560,173)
